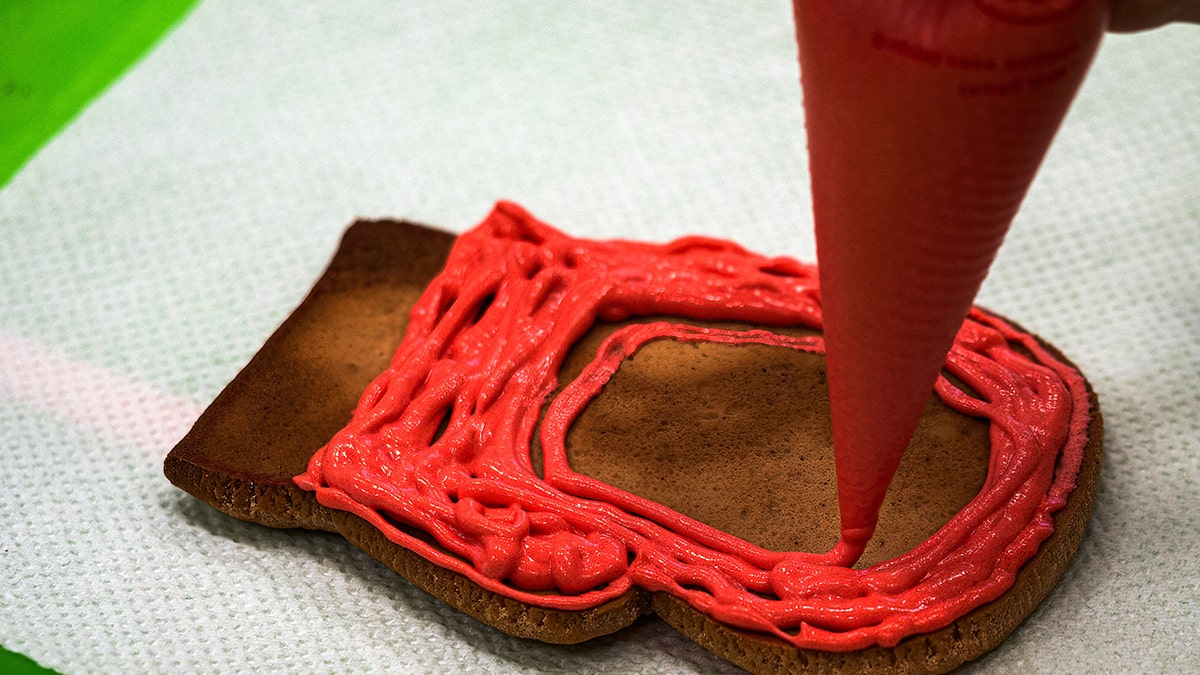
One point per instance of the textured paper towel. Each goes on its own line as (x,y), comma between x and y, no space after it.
(147,252)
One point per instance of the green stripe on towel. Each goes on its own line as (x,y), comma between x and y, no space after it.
(17,664)
(57,55)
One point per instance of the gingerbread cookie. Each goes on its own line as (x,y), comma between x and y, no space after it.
(557,436)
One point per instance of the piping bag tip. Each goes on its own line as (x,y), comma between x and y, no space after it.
(926,124)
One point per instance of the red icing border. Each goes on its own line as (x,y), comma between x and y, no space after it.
(482,353)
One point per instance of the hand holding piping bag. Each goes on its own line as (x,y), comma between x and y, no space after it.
(1128,16)
(926,123)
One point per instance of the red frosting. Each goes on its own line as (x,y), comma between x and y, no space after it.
(482,354)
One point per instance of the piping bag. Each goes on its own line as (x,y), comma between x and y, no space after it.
(926,123)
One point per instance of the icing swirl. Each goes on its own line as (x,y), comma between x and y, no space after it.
(440,442)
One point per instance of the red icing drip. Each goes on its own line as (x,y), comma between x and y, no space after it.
(926,124)
(482,352)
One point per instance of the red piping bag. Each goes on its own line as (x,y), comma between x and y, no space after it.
(926,122)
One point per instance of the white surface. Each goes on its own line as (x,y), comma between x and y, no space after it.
(147,252)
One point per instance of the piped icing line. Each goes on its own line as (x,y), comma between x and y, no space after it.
(437,453)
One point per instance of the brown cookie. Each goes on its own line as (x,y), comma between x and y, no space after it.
(681,405)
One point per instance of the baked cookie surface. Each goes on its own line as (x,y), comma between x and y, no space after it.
(723,436)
